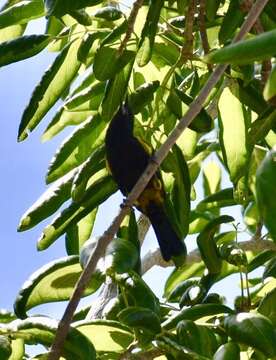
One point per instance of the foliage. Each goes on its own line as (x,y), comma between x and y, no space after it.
(232,136)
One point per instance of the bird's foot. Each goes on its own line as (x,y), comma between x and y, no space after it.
(125,204)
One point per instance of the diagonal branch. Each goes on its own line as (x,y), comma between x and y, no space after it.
(195,107)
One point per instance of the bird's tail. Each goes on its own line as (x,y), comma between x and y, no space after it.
(170,244)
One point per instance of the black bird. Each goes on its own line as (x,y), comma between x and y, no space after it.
(127,159)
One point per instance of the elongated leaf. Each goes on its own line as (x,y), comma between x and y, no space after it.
(187,271)
(107,336)
(207,246)
(140,318)
(233,134)
(267,306)
(228,351)
(252,329)
(92,165)
(266,191)
(59,8)
(231,21)
(259,48)
(198,338)
(219,199)
(5,348)
(42,330)
(63,119)
(121,255)
(48,203)
(97,193)
(78,234)
(22,48)
(109,13)
(269,90)
(115,91)
(52,85)
(149,32)
(194,313)
(12,32)
(18,349)
(21,13)
(77,147)
(53,282)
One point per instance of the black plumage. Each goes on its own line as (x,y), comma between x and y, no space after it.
(127,158)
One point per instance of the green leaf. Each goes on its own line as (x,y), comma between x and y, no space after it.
(48,203)
(258,48)
(21,13)
(181,287)
(233,134)
(51,87)
(97,193)
(138,291)
(211,178)
(207,246)
(194,313)
(121,255)
(77,147)
(267,306)
(107,336)
(62,119)
(270,269)
(5,348)
(219,199)
(231,21)
(109,13)
(53,282)
(266,191)
(78,234)
(108,62)
(228,351)
(12,32)
(233,254)
(169,346)
(142,96)
(86,100)
(149,32)
(18,349)
(22,48)
(140,318)
(269,90)
(115,92)
(42,330)
(198,338)
(254,330)
(90,167)
(185,272)
(59,8)
(6,316)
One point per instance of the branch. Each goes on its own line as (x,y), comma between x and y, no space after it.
(187,49)
(202,29)
(153,257)
(105,239)
(131,21)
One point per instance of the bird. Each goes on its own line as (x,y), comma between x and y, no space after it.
(127,158)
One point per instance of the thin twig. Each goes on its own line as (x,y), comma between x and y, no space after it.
(154,257)
(131,21)
(202,29)
(187,49)
(195,107)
